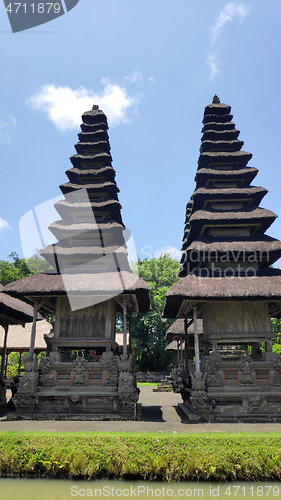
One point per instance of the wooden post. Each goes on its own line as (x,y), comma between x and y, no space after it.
(130,332)
(19,363)
(33,331)
(4,350)
(186,348)
(124,328)
(196,341)
(6,365)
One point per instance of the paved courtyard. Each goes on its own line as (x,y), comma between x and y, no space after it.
(159,415)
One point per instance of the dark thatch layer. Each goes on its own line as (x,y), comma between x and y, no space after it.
(88,251)
(237,172)
(260,243)
(215,126)
(247,215)
(221,118)
(48,284)
(14,310)
(241,157)
(246,192)
(80,172)
(95,146)
(197,289)
(217,109)
(208,145)
(70,186)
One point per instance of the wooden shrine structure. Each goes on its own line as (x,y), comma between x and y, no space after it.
(227,281)
(92,281)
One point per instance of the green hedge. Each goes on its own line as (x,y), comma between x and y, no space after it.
(169,457)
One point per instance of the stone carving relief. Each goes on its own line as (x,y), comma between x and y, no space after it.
(111,379)
(28,383)
(47,379)
(23,401)
(112,365)
(214,380)
(127,400)
(254,403)
(128,394)
(30,362)
(46,364)
(198,381)
(277,364)
(80,365)
(246,364)
(247,379)
(199,401)
(80,378)
(211,364)
(177,379)
(277,379)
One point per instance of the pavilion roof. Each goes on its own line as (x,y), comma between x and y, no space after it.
(107,283)
(194,288)
(14,310)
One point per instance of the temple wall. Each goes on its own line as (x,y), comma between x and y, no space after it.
(236,317)
(97,321)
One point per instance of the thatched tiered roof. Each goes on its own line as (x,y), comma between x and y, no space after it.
(91,254)
(224,225)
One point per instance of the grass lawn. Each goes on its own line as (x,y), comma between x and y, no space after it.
(162,456)
(141,384)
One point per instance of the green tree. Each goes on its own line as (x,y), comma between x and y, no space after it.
(148,330)
(275,325)
(15,268)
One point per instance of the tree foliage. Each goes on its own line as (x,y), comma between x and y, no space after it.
(15,268)
(148,330)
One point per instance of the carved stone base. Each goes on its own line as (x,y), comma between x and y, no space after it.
(23,402)
(28,383)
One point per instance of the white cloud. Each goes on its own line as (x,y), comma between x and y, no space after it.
(134,77)
(229,13)
(3,224)
(172,251)
(5,129)
(213,63)
(64,106)
(152,79)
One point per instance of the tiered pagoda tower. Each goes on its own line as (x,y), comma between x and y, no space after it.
(227,280)
(90,233)
(91,282)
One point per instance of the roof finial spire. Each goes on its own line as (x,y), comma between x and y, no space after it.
(216,99)
(95,107)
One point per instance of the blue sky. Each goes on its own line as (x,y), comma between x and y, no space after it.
(152,66)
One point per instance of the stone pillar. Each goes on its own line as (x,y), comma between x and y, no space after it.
(268,346)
